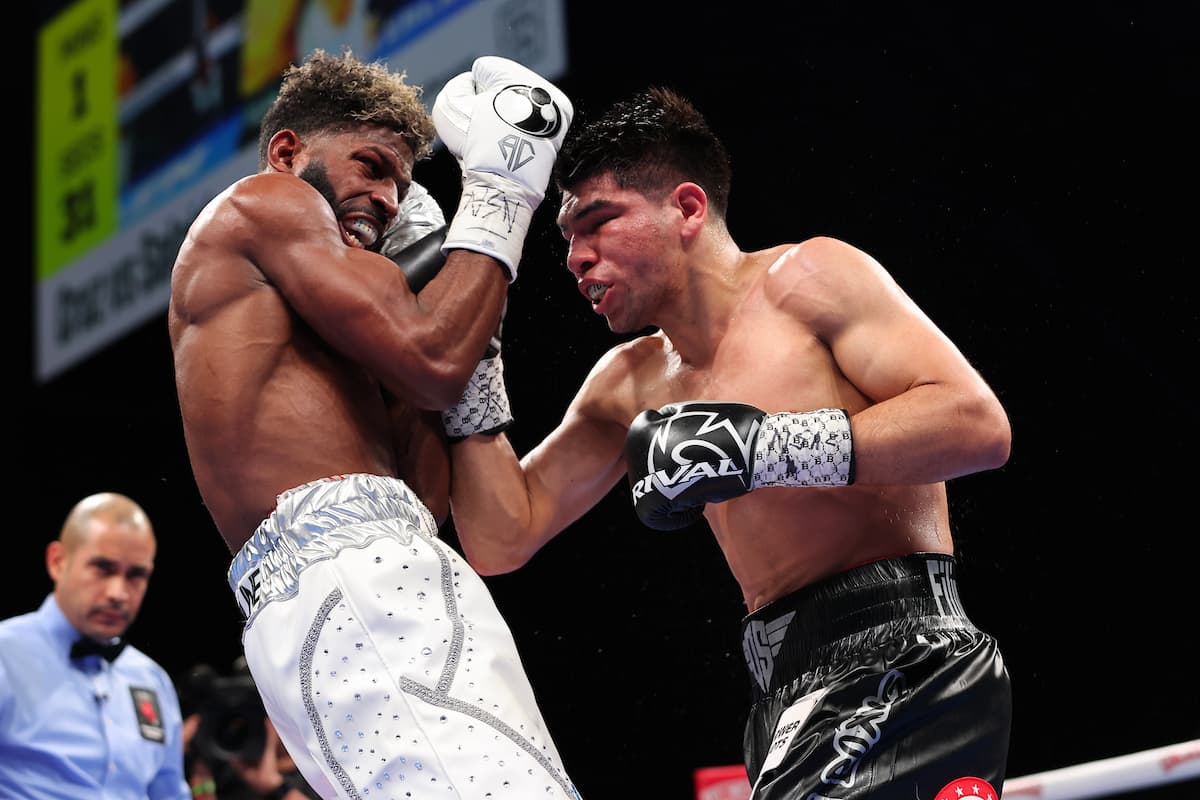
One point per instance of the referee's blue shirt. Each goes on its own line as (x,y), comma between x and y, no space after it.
(84,728)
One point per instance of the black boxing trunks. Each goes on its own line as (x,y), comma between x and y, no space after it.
(874,683)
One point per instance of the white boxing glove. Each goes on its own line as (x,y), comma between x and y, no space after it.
(504,123)
(419,216)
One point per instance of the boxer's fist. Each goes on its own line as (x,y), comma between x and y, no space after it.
(504,123)
(686,455)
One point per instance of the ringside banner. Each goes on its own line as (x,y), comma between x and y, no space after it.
(137,131)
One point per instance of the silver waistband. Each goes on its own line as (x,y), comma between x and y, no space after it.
(314,522)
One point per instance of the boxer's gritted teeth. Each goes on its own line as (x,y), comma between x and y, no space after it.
(362,230)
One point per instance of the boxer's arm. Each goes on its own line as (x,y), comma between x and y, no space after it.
(932,416)
(686,455)
(505,509)
(357,301)
(415,244)
(422,348)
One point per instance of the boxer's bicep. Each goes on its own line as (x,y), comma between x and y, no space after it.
(881,341)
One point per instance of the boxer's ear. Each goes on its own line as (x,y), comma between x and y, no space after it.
(692,202)
(282,150)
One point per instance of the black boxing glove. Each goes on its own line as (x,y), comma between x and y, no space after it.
(686,455)
(414,239)
(421,260)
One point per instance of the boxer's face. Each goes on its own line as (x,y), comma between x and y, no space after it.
(363,174)
(622,249)
(101,579)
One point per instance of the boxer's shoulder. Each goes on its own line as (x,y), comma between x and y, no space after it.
(268,198)
(616,386)
(808,256)
(821,278)
(635,358)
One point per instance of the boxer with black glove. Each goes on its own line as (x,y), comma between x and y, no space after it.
(686,455)
(853,613)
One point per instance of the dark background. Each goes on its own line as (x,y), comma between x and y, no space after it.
(1028,176)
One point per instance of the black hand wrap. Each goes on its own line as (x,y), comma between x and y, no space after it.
(686,455)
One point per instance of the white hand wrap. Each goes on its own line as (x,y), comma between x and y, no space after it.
(813,448)
(493,218)
(484,405)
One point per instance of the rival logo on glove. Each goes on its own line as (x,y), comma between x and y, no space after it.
(671,482)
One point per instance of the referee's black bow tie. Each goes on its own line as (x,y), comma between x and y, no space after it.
(87,647)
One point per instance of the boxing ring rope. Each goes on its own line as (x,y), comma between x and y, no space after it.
(1146,769)
(1109,776)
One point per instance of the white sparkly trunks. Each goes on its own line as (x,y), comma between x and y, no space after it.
(380,655)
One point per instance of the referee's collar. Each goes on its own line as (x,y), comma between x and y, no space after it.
(59,628)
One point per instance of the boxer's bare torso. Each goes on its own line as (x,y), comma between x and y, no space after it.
(777,540)
(792,328)
(266,405)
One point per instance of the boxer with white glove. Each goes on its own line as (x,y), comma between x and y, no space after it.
(504,123)
(414,242)
(686,455)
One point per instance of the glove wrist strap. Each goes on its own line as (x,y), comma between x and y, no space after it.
(484,405)
(811,448)
(493,217)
